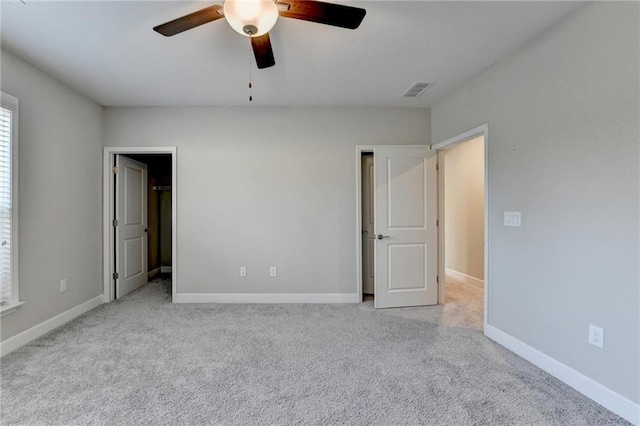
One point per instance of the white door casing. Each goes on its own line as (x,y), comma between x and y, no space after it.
(368,227)
(131,229)
(405,226)
(482,130)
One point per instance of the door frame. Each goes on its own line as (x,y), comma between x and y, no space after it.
(108,203)
(440,147)
(365,149)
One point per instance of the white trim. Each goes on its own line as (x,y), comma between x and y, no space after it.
(152,273)
(441,226)
(21,339)
(482,130)
(604,396)
(467,279)
(463,137)
(9,309)
(165,269)
(12,103)
(107,212)
(266,298)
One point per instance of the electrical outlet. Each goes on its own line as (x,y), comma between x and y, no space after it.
(63,285)
(596,336)
(273,271)
(243,271)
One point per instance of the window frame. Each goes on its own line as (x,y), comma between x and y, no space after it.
(11,102)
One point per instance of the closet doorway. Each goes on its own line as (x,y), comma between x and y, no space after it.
(158,212)
(139,219)
(368,228)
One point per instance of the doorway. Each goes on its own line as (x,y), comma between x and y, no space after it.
(463,229)
(159,193)
(368,228)
(139,197)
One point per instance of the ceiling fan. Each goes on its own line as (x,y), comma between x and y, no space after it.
(255,18)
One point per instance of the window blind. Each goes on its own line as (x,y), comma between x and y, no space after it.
(6,290)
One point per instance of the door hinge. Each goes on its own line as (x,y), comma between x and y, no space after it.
(437,166)
(114,169)
(437,223)
(437,279)
(115,222)
(115,275)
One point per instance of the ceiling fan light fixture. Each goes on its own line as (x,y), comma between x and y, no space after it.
(251,18)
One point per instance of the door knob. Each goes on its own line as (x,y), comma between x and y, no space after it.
(382,237)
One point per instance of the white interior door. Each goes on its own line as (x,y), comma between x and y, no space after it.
(131,229)
(368,227)
(405,226)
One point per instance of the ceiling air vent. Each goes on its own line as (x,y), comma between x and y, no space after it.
(416,90)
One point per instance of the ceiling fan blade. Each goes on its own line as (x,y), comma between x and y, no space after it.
(324,13)
(262,51)
(192,20)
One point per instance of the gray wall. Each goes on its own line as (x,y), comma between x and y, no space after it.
(60,149)
(563,119)
(266,186)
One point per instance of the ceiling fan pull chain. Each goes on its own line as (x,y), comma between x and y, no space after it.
(250,74)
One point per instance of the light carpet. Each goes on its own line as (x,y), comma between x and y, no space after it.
(144,361)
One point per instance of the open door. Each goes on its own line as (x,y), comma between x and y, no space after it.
(405,225)
(131,225)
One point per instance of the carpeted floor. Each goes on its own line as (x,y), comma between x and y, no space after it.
(145,361)
(464,304)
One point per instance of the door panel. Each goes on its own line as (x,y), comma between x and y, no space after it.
(406,182)
(133,203)
(407,267)
(405,219)
(133,256)
(131,214)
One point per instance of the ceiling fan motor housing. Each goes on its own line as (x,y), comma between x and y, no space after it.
(251,18)
(250,29)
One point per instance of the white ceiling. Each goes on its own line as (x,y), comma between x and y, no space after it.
(108,51)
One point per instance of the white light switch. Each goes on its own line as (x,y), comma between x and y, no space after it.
(243,271)
(512,219)
(273,271)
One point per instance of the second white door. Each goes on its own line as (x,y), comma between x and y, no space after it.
(405,227)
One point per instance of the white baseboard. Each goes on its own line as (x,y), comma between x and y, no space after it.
(604,396)
(467,279)
(152,273)
(165,269)
(265,298)
(21,339)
